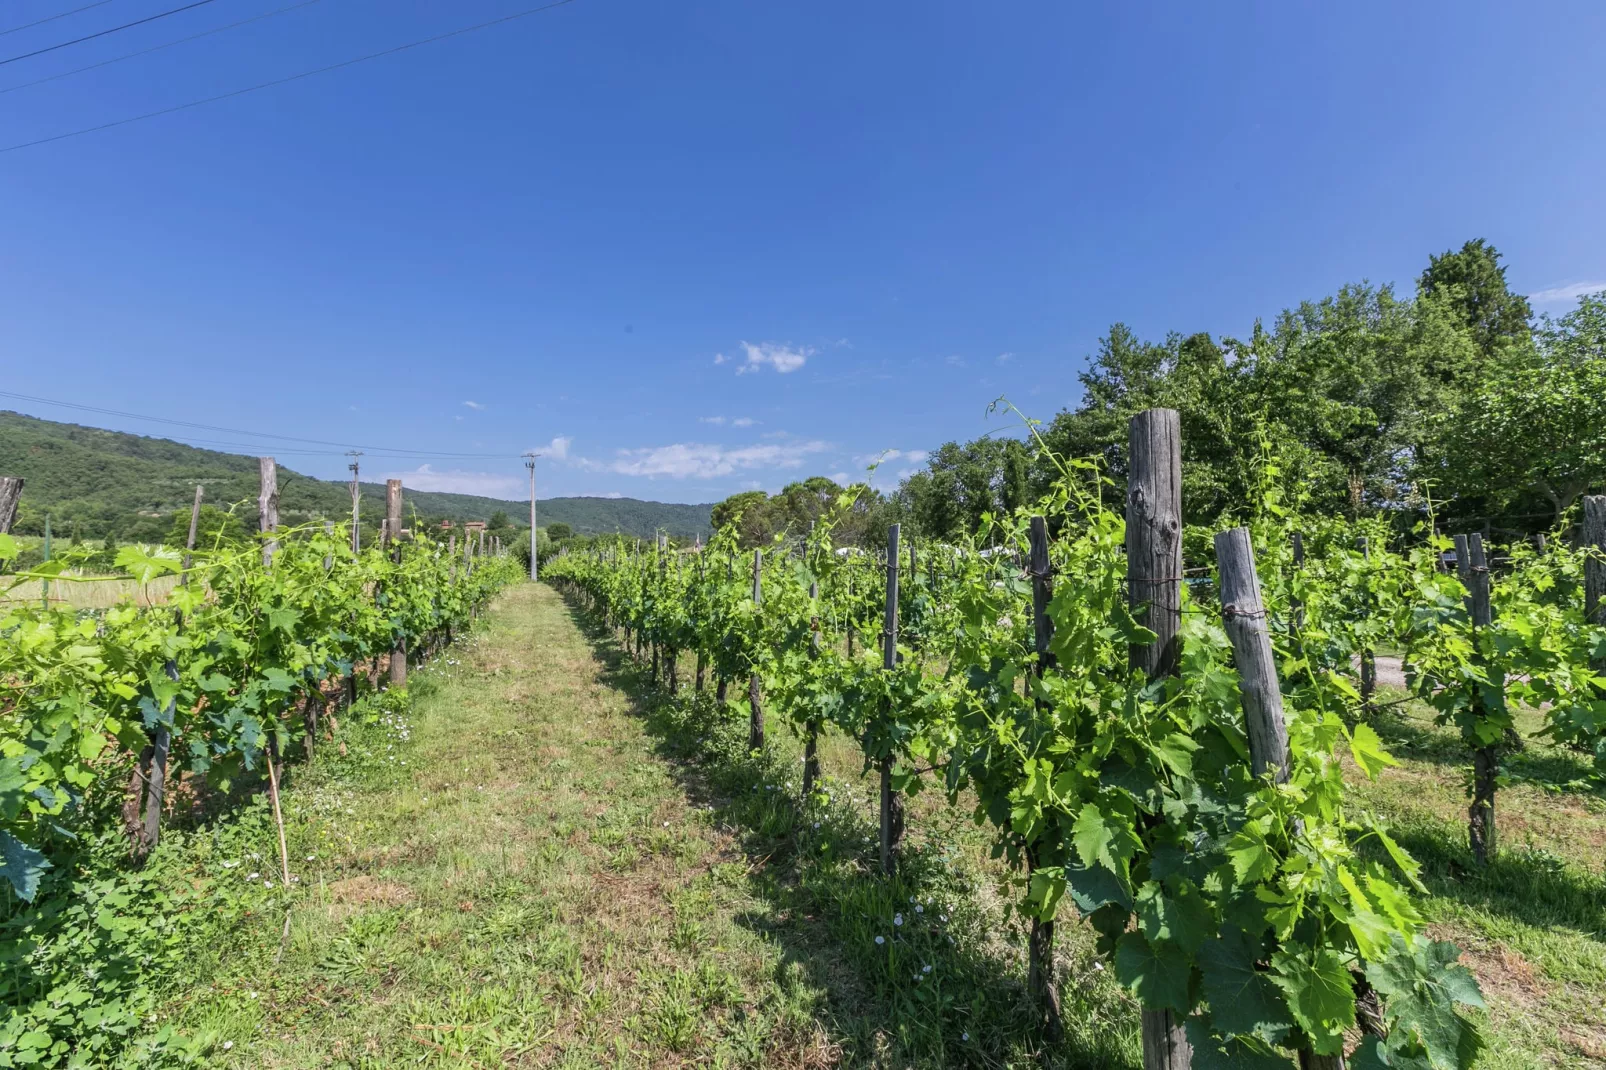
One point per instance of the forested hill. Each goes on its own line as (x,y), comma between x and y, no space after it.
(108,482)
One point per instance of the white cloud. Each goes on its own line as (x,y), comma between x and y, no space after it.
(743,421)
(841,478)
(911,456)
(720,358)
(558,448)
(954,361)
(1570,292)
(1004,358)
(783,358)
(703,461)
(473,405)
(710,419)
(456,481)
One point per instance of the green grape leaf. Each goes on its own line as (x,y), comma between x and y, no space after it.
(1182,916)
(1319,993)
(1092,887)
(1156,973)
(21,866)
(1367,750)
(1422,985)
(1243,1000)
(1104,839)
(1211,1052)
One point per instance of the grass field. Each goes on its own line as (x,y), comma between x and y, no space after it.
(546,867)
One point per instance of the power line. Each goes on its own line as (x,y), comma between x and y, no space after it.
(53,18)
(158,48)
(103,33)
(237,431)
(291,78)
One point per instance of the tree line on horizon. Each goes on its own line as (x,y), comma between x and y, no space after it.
(1456,398)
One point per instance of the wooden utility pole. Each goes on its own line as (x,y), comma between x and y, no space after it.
(1473,567)
(891,801)
(1243,614)
(393,514)
(1154,590)
(268,506)
(529,462)
(1040,946)
(755,724)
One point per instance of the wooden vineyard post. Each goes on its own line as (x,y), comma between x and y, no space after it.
(393,515)
(1154,590)
(702,662)
(268,506)
(1243,614)
(10,495)
(451,556)
(1296,604)
(1594,564)
(755,723)
(1040,947)
(891,801)
(811,737)
(1473,568)
(1368,656)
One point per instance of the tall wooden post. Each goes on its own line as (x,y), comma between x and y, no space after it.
(755,723)
(1154,590)
(811,737)
(268,506)
(1594,564)
(162,740)
(1368,657)
(1040,947)
(10,495)
(1243,615)
(1473,567)
(356,507)
(393,520)
(891,801)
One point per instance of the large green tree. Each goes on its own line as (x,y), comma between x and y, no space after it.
(1474,281)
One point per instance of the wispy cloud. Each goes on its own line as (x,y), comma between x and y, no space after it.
(1004,358)
(720,358)
(841,478)
(782,357)
(720,421)
(954,361)
(698,460)
(1570,292)
(885,456)
(474,405)
(743,421)
(711,419)
(457,481)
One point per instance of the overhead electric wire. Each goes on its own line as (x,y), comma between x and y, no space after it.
(103,33)
(53,18)
(238,431)
(289,78)
(158,48)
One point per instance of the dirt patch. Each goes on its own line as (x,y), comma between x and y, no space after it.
(370,891)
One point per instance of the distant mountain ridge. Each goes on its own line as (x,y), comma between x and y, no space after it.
(103,482)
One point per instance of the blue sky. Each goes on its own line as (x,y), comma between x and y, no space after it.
(694,247)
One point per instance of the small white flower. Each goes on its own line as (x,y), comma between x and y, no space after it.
(881,939)
(897,919)
(925,969)
(252,876)
(311,857)
(964,1036)
(1098,966)
(942,917)
(919,909)
(228,1044)
(267,884)
(911,899)
(816,824)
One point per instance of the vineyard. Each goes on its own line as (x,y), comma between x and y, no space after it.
(250,661)
(1164,747)
(1155,739)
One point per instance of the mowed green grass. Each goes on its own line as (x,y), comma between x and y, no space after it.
(572,870)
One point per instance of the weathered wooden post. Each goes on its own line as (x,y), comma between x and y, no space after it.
(1243,615)
(10,495)
(1296,604)
(393,515)
(1473,568)
(755,723)
(1368,657)
(1154,590)
(811,737)
(268,506)
(1594,564)
(891,801)
(1040,946)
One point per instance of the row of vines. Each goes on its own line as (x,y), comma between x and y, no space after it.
(224,681)
(1105,727)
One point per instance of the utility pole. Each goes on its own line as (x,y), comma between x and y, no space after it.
(356,497)
(529,462)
